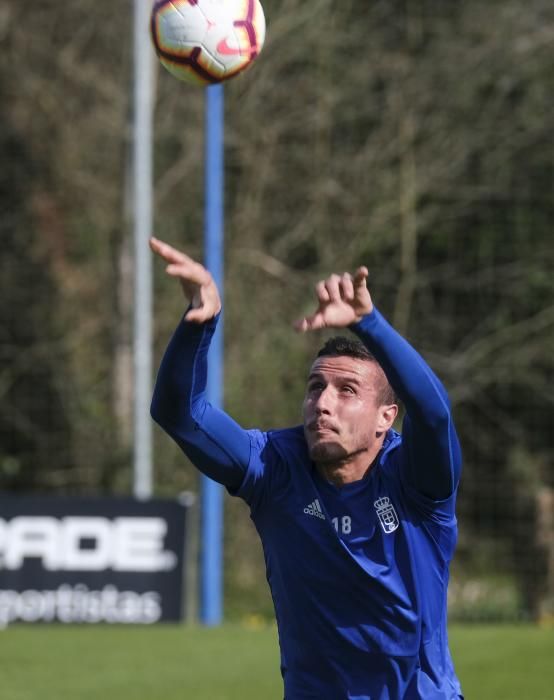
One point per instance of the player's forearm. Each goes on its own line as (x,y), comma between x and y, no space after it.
(410,376)
(430,437)
(212,440)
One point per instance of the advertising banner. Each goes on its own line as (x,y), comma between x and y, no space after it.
(91,560)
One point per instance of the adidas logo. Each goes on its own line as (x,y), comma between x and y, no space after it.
(314,509)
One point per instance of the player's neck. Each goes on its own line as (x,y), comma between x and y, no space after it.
(352,468)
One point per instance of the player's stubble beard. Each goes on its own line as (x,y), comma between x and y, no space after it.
(332,454)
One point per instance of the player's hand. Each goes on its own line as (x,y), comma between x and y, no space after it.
(342,300)
(197,283)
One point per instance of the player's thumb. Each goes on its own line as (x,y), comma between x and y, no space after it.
(196,315)
(309,323)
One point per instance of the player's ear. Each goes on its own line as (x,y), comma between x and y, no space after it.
(386,417)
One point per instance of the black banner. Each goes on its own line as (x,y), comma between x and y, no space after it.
(91,560)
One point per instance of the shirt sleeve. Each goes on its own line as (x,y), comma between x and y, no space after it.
(212,440)
(431,458)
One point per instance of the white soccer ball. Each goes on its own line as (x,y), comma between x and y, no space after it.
(207,41)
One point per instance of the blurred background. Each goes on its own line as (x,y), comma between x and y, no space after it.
(415,137)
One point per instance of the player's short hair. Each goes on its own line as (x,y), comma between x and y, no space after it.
(340,345)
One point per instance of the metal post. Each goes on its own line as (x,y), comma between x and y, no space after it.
(142,209)
(212,493)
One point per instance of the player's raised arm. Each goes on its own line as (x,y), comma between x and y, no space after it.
(215,444)
(430,444)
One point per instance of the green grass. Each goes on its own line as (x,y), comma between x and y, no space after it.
(504,662)
(234,663)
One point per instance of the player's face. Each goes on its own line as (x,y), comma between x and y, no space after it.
(342,416)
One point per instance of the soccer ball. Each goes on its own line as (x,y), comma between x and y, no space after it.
(207,41)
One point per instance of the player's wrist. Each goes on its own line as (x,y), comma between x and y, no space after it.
(363,317)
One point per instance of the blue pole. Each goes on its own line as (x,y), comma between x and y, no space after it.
(212,493)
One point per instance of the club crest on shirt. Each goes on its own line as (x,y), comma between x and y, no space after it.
(387,515)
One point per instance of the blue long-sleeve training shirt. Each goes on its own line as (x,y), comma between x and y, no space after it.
(358,573)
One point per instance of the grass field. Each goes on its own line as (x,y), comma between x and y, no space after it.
(234,663)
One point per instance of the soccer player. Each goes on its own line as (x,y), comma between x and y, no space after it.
(356,521)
